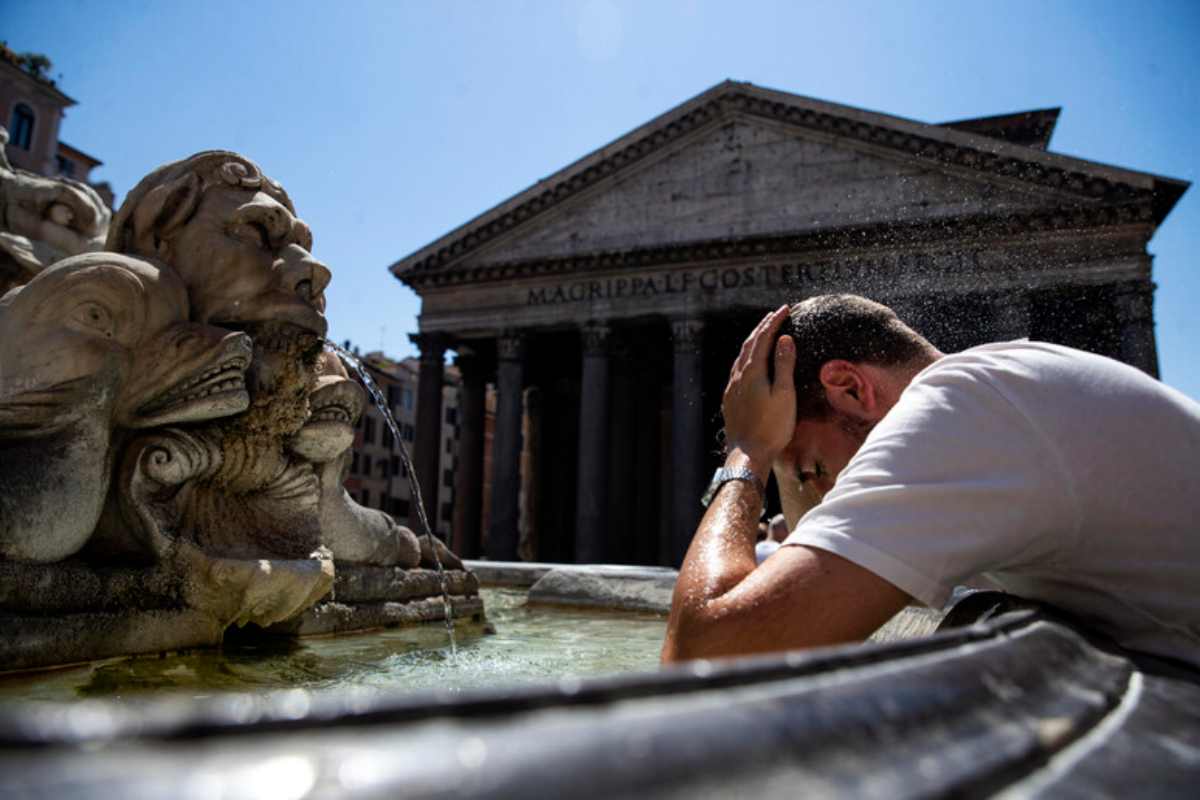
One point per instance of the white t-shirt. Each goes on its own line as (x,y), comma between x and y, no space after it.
(1063,476)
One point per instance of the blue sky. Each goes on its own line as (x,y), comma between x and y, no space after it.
(392,122)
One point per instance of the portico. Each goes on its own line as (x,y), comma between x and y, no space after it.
(622,287)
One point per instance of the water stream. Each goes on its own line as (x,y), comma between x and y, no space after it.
(352,362)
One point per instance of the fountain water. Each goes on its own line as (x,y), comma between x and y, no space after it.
(353,363)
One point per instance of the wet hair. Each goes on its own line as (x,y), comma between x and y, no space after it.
(849,328)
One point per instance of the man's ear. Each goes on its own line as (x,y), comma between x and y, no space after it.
(849,389)
(163,210)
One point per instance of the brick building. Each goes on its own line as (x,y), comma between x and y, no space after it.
(378,477)
(34,108)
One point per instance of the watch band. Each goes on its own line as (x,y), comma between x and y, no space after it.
(726,474)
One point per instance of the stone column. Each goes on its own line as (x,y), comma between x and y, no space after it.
(528,544)
(687,435)
(591,496)
(429,423)
(503,530)
(1135,314)
(468,483)
(1010,316)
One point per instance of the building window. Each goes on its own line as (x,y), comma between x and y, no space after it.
(383,468)
(367,466)
(22,127)
(407,396)
(399,507)
(409,432)
(449,445)
(451,416)
(354,463)
(387,436)
(366,498)
(393,395)
(369,432)
(447,512)
(66,166)
(448,478)
(395,465)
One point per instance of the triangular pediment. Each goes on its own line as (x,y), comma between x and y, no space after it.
(740,163)
(748,178)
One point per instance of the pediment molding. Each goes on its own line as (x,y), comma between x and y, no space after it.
(975,227)
(1076,184)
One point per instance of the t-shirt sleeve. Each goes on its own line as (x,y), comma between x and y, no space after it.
(956,480)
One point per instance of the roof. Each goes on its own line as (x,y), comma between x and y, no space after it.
(1026,128)
(1003,148)
(45,85)
(76,153)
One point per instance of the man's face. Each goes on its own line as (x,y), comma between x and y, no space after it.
(246,258)
(821,449)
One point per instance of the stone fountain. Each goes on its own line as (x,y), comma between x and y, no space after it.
(173,435)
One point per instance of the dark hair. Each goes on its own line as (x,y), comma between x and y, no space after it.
(847,327)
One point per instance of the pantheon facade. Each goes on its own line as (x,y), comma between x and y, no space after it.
(606,302)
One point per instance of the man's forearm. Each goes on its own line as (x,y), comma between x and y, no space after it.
(720,557)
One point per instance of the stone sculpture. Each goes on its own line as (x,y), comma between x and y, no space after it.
(96,345)
(233,236)
(43,220)
(352,533)
(385,573)
(173,436)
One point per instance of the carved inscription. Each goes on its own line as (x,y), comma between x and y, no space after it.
(886,266)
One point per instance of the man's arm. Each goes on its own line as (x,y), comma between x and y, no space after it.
(800,596)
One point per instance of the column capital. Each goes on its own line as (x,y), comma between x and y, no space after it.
(510,346)
(432,345)
(470,363)
(687,334)
(596,337)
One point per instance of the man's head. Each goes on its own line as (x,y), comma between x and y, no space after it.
(232,234)
(853,359)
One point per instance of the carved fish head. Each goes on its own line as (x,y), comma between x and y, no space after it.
(336,404)
(192,372)
(106,336)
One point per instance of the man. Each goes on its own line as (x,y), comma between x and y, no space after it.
(1066,477)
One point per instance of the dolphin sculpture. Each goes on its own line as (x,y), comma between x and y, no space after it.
(94,346)
(353,533)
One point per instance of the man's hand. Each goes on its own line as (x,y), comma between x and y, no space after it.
(760,416)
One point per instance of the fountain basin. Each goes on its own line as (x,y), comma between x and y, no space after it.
(517,643)
(1018,703)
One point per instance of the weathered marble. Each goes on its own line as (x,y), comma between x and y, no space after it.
(353,534)
(43,220)
(96,345)
(173,436)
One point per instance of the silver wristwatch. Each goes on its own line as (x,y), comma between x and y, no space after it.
(723,476)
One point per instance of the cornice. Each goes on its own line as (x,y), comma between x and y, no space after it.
(883,234)
(44,87)
(934,144)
